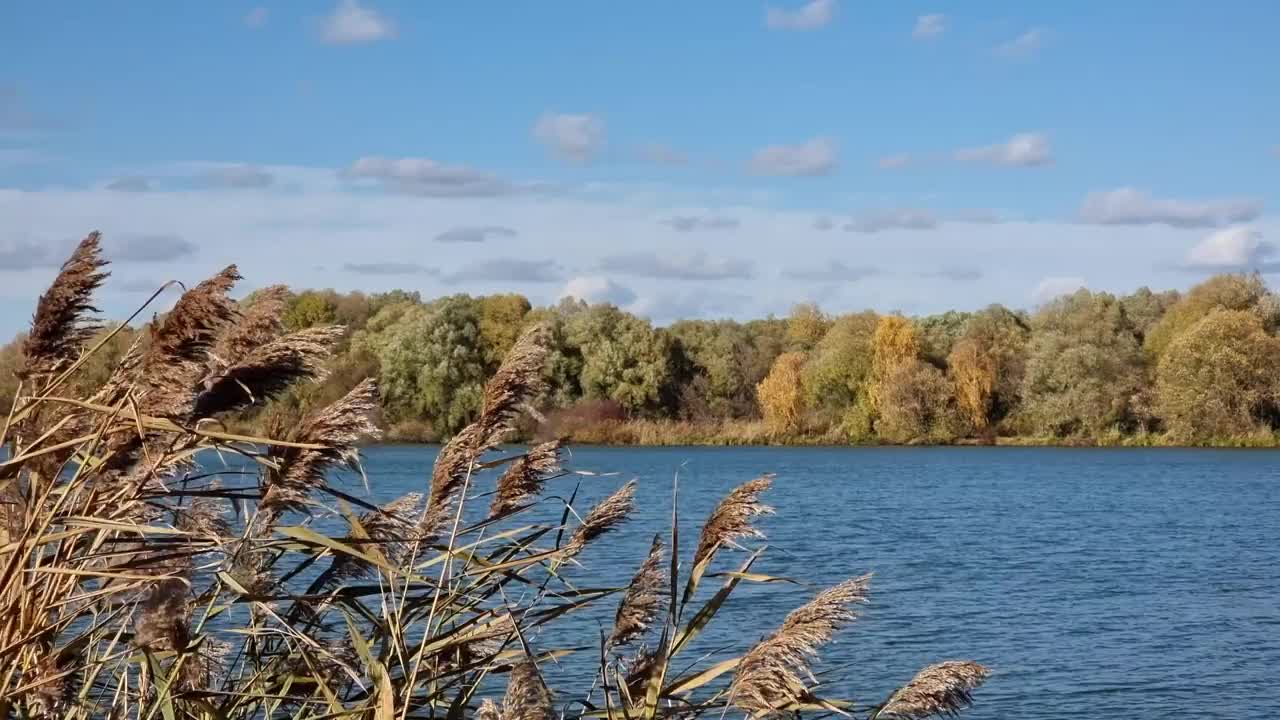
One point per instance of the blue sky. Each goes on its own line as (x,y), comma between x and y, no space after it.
(711,159)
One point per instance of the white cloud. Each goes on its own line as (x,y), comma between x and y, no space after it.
(697,266)
(663,154)
(1130,206)
(1234,248)
(507,270)
(239,176)
(422,176)
(813,157)
(570,137)
(596,289)
(388,268)
(256,18)
(810,16)
(929,26)
(1025,45)
(1021,150)
(1054,287)
(893,219)
(130,183)
(351,23)
(833,271)
(690,223)
(474,234)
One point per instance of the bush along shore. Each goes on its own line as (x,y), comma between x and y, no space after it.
(138,583)
(1089,368)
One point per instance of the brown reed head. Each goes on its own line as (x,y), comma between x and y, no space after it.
(605,516)
(643,599)
(60,329)
(523,478)
(944,688)
(732,518)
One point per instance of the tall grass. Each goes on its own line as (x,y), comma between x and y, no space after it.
(135,583)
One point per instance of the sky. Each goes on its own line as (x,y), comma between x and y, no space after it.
(710,159)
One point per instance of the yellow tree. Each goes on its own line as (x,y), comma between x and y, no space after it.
(973,379)
(781,393)
(896,343)
(806,326)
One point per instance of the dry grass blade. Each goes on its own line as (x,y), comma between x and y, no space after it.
(603,517)
(771,675)
(338,427)
(941,689)
(643,600)
(732,517)
(523,478)
(58,329)
(268,370)
(527,695)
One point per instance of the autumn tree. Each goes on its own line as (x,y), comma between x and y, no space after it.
(310,308)
(1219,378)
(974,374)
(896,343)
(987,365)
(940,333)
(1226,292)
(781,393)
(806,325)
(915,405)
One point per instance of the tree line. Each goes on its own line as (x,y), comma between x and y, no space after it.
(1201,367)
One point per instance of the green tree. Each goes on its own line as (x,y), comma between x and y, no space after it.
(720,383)
(1219,378)
(310,308)
(10,362)
(502,318)
(624,358)
(1084,368)
(939,334)
(1145,308)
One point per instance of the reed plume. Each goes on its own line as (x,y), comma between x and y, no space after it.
(337,428)
(642,601)
(259,324)
(59,329)
(732,518)
(386,528)
(488,710)
(605,516)
(771,674)
(175,362)
(268,370)
(941,689)
(524,477)
(517,380)
(527,695)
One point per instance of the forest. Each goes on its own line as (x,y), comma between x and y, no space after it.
(1149,368)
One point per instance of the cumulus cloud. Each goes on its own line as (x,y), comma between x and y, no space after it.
(677,267)
(474,234)
(667,307)
(929,26)
(150,248)
(663,154)
(351,23)
(813,157)
(389,268)
(1021,150)
(597,289)
(256,18)
(1053,287)
(570,137)
(690,223)
(833,271)
(893,219)
(1234,248)
(1025,45)
(130,183)
(1130,206)
(239,176)
(421,176)
(508,270)
(810,16)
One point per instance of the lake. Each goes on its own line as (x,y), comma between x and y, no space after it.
(1127,583)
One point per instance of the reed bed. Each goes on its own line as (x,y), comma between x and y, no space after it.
(137,583)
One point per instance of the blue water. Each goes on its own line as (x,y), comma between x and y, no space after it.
(1096,583)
